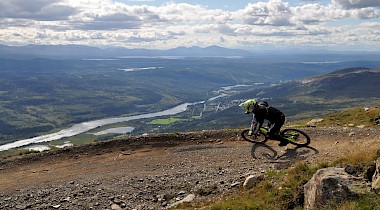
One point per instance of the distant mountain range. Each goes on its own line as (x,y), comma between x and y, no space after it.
(79,51)
(89,52)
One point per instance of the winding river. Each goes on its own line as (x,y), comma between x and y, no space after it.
(86,126)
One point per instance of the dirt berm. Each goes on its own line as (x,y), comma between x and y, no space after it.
(155,171)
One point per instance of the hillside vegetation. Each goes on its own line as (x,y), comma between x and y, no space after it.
(351,83)
(353,117)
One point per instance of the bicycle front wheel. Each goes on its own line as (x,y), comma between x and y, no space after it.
(296,137)
(258,138)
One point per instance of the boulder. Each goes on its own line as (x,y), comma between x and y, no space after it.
(188,199)
(115,207)
(332,185)
(314,122)
(252,180)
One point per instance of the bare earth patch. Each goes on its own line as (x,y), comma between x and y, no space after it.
(152,172)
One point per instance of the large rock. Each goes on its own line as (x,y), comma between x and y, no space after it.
(332,185)
(188,199)
(252,180)
(314,122)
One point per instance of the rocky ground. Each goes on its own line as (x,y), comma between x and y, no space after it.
(158,171)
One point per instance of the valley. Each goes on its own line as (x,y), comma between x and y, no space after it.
(43,97)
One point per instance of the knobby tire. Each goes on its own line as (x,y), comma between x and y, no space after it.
(301,138)
(260,137)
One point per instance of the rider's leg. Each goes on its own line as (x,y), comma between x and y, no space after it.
(271,133)
(275,130)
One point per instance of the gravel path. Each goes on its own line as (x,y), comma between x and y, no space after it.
(157,171)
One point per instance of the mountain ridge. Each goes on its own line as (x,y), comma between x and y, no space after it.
(76,51)
(81,51)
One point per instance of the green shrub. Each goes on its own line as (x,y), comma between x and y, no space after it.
(13,153)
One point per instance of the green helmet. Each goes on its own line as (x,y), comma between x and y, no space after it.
(248,104)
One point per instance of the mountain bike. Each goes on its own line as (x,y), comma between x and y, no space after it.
(292,135)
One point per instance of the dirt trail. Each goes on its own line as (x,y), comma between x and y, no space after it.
(152,172)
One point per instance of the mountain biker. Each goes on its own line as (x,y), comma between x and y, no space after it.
(262,111)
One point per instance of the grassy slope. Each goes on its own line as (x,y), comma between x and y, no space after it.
(353,116)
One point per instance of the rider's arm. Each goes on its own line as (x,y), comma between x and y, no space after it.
(259,122)
(259,118)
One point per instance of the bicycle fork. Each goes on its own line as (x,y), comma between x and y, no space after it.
(250,130)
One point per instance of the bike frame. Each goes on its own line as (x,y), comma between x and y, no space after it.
(264,130)
(292,135)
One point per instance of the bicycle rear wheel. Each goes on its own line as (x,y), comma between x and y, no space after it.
(258,138)
(296,137)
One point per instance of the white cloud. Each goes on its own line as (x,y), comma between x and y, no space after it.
(315,14)
(364,13)
(108,22)
(187,13)
(370,25)
(274,12)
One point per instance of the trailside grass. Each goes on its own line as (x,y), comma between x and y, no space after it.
(358,116)
(284,189)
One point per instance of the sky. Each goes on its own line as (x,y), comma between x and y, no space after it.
(342,25)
